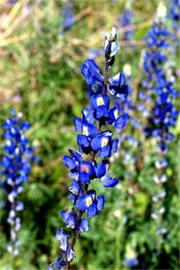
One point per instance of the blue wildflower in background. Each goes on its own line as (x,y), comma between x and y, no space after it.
(15,169)
(154,57)
(95,139)
(131,262)
(163,114)
(174,15)
(11,3)
(68,17)
(162,118)
(93,53)
(126,20)
(174,11)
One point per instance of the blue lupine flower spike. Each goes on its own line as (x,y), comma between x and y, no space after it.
(93,140)
(15,169)
(126,20)
(174,15)
(163,114)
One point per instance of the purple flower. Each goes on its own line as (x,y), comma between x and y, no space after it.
(92,142)
(15,169)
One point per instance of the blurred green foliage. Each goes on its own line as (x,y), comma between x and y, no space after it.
(40,76)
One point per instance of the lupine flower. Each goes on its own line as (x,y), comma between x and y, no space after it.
(93,139)
(15,169)
(126,20)
(95,52)
(163,115)
(131,262)
(174,11)
(174,15)
(154,57)
(94,79)
(11,3)
(67,20)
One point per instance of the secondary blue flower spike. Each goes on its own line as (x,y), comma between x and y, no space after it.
(131,262)
(15,170)
(174,15)
(163,114)
(92,139)
(67,19)
(126,20)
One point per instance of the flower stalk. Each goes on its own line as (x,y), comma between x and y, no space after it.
(94,142)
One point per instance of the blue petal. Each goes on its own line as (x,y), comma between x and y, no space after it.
(92,65)
(90,130)
(99,100)
(100,202)
(81,202)
(97,77)
(102,168)
(19,206)
(99,112)
(84,70)
(121,122)
(77,124)
(25,125)
(76,155)
(88,116)
(114,48)
(100,141)
(60,263)
(71,221)
(122,79)
(90,80)
(131,262)
(96,143)
(118,80)
(87,167)
(92,210)
(69,162)
(7,135)
(92,171)
(63,237)
(83,140)
(108,49)
(109,181)
(84,178)
(84,225)
(70,253)
(72,197)
(13,112)
(65,215)
(102,111)
(74,174)
(113,113)
(74,188)
(91,72)
(105,152)
(114,145)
